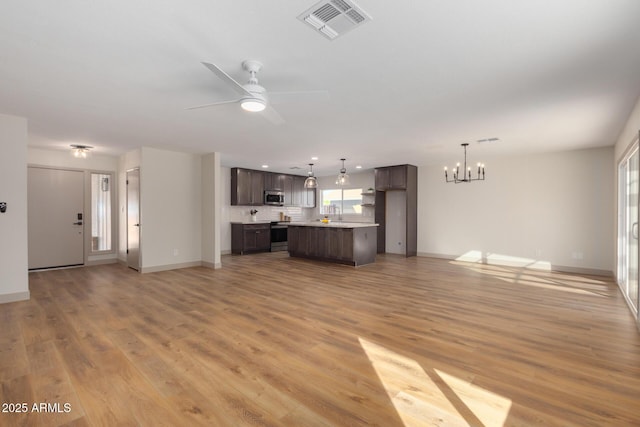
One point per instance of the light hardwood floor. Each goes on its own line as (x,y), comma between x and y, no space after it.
(269,340)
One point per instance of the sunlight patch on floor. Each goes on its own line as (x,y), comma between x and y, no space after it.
(528,272)
(499,259)
(431,397)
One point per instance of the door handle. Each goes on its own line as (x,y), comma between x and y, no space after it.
(136,225)
(77,223)
(634,230)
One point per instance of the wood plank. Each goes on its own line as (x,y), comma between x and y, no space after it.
(273,340)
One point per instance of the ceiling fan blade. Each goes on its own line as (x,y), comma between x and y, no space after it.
(228,79)
(272,115)
(213,104)
(299,96)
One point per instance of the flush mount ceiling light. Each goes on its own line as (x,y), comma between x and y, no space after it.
(80,151)
(311,181)
(343,178)
(466,171)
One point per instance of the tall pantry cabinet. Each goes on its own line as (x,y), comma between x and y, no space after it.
(396,209)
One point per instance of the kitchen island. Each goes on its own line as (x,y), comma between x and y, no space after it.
(351,243)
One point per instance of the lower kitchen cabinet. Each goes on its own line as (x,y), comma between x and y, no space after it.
(250,238)
(343,245)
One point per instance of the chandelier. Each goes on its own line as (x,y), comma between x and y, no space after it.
(466,171)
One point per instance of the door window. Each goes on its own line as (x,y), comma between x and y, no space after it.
(628,190)
(101,212)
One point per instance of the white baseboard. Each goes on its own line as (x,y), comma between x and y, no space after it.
(215,266)
(166,267)
(15,297)
(532,266)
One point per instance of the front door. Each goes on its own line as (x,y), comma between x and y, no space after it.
(133,218)
(55,217)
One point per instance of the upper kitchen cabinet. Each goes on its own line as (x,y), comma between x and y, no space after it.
(287,187)
(391,178)
(247,187)
(274,181)
(303,197)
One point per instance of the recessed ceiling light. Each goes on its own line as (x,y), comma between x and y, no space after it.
(358,167)
(314,158)
(265,166)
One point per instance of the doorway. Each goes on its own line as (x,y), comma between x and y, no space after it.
(628,190)
(133,218)
(55,215)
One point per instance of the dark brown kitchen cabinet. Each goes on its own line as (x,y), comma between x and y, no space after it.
(287,187)
(397,178)
(250,238)
(247,187)
(309,200)
(391,178)
(303,197)
(274,181)
(353,246)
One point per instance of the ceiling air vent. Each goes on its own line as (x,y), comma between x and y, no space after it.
(333,18)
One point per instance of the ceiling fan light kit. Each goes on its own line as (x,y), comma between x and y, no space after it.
(466,171)
(252,96)
(253,105)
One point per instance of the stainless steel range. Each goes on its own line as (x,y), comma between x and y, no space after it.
(279,238)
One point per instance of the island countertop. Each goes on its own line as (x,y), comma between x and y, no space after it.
(333,224)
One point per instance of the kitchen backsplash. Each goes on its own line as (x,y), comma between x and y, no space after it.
(270,213)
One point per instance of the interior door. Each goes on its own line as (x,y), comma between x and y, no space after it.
(55,217)
(133,219)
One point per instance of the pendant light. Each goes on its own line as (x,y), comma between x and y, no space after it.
(343,178)
(311,181)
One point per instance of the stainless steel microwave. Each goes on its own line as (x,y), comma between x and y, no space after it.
(274,198)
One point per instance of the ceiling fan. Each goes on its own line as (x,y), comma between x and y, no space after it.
(254,97)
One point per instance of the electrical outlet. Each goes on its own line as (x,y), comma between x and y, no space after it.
(175,252)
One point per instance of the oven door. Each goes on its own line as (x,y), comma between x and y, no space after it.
(279,238)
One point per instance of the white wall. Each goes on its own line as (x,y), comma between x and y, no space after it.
(552,209)
(14,279)
(211,210)
(65,159)
(170,209)
(628,134)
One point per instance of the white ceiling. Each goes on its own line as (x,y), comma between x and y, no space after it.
(407,87)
